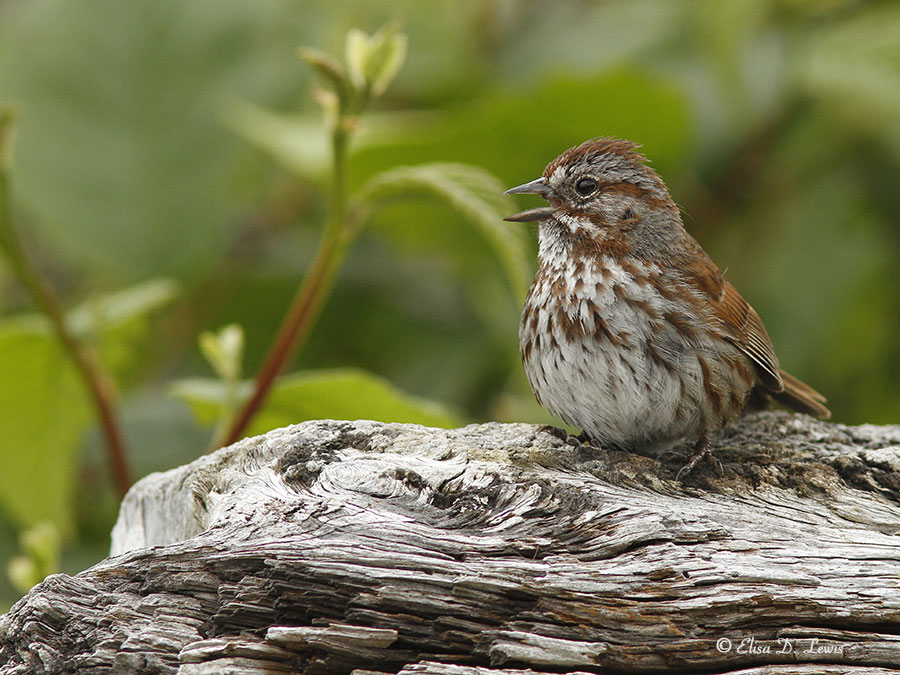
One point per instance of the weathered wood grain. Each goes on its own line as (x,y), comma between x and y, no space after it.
(333,547)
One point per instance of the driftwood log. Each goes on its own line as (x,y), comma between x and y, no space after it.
(338,547)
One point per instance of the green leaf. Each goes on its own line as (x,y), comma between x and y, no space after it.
(374,61)
(118,322)
(22,573)
(473,192)
(40,546)
(45,411)
(224,350)
(121,307)
(327,66)
(324,394)
(301,144)
(207,397)
(332,100)
(386,60)
(346,394)
(356,53)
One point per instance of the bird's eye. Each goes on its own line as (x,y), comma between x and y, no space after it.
(586,186)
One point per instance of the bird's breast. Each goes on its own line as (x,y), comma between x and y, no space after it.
(605,349)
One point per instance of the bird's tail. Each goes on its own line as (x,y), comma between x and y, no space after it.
(801,397)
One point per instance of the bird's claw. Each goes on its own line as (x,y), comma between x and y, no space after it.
(702,452)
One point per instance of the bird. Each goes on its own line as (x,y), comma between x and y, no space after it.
(630,331)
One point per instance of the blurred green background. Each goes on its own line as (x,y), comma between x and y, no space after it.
(171,177)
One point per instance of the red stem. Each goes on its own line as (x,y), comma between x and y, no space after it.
(308,300)
(102,391)
(295,326)
(98,382)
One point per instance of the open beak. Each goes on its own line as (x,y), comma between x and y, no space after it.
(535,187)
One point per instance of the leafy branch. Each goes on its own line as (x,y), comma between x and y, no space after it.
(98,382)
(371,62)
(473,192)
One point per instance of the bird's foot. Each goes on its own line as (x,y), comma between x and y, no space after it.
(561,434)
(583,439)
(702,452)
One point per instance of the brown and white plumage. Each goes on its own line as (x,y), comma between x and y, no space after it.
(630,331)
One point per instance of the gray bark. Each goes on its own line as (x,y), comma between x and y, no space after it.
(332,547)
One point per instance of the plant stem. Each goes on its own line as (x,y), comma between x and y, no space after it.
(98,382)
(308,300)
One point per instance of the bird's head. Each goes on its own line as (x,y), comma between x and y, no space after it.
(597,190)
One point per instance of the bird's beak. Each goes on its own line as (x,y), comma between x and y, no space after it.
(535,187)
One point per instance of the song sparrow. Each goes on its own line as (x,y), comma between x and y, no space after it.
(630,332)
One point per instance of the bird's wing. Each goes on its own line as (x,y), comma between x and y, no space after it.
(743,327)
